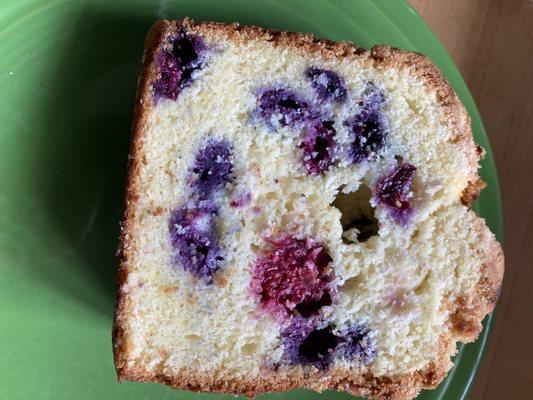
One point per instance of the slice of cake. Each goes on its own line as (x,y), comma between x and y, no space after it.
(297,215)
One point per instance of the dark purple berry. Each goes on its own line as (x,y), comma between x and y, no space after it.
(177,63)
(318,145)
(306,344)
(186,49)
(394,190)
(366,128)
(328,84)
(168,83)
(282,107)
(357,344)
(194,239)
(212,168)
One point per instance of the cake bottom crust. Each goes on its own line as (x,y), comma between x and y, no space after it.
(357,383)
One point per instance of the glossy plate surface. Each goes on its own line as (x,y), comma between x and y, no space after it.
(68,73)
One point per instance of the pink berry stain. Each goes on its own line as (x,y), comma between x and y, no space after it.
(293,275)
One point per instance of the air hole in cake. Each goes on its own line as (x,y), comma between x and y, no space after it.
(212,168)
(292,275)
(357,215)
(317,347)
(318,146)
(328,84)
(350,285)
(249,348)
(399,159)
(424,284)
(394,191)
(193,337)
(309,308)
(194,238)
(289,205)
(255,248)
(176,62)
(367,129)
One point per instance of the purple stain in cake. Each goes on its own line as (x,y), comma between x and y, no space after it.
(304,343)
(394,191)
(328,84)
(356,344)
(193,235)
(282,107)
(212,168)
(168,83)
(366,128)
(317,145)
(241,200)
(293,274)
(177,64)
(373,98)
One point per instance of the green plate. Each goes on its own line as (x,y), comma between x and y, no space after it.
(67,75)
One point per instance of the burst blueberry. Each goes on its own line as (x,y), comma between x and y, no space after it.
(328,84)
(194,239)
(282,107)
(394,191)
(177,63)
(304,343)
(318,146)
(366,128)
(307,341)
(212,168)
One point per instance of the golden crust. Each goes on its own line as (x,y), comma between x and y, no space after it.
(471,309)
(400,387)
(143,105)
(466,312)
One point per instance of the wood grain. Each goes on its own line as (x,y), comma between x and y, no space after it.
(491,42)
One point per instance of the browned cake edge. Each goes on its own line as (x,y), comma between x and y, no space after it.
(465,315)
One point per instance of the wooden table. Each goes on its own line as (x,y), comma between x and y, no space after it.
(491,42)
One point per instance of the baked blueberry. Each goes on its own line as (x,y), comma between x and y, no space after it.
(328,84)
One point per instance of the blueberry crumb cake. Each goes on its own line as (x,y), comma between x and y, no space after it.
(298,215)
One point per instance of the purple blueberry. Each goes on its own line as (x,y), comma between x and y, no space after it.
(304,343)
(193,235)
(394,191)
(357,344)
(212,168)
(366,128)
(176,64)
(328,84)
(282,107)
(318,145)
